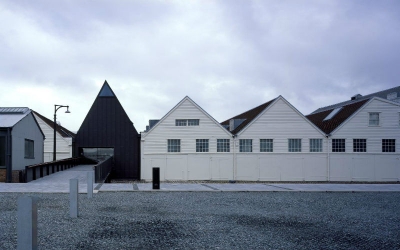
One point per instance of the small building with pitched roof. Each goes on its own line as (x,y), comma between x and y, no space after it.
(21,142)
(108,131)
(363,139)
(64,139)
(275,142)
(187,144)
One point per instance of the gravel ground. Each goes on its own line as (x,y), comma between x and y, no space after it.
(211,220)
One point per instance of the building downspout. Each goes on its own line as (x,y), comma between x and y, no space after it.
(234,157)
(328,160)
(8,156)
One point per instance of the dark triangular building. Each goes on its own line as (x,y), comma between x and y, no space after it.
(107,130)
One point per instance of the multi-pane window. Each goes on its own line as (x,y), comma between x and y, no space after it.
(29,149)
(201,145)
(180,122)
(174,145)
(359,145)
(2,151)
(315,145)
(223,145)
(193,122)
(374,119)
(266,145)
(246,145)
(338,145)
(294,145)
(187,122)
(388,145)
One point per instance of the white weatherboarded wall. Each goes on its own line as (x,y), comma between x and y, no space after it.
(187,164)
(373,165)
(281,122)
(64,145)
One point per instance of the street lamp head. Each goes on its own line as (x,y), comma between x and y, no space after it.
(67,110)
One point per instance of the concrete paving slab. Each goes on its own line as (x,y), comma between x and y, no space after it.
(245,187)
(174,187)
(341,187)
(116,187)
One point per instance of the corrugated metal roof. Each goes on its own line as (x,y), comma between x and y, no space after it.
(382,94)
(11,116)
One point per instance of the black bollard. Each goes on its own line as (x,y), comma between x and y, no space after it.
(156,178)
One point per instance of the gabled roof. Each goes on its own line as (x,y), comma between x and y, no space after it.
(340,117)
(60,129)
(11,116)
(249,116)
(177,106)
(382,94)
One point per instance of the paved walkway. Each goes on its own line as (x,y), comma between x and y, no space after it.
(59,183)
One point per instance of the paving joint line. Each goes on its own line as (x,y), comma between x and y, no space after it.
(213,188)
(279,187)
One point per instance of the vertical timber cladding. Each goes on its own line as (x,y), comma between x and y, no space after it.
(108,126)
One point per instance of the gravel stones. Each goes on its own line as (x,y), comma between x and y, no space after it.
(218,220)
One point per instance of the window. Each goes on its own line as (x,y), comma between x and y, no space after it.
(266,145)
(223,145)
(359,145)
(246,145)
(374,119)
(399,119)
(179,122)
(315,145)
(2,151)
(174,145)
(187,122)
(294,145)
(338,145)
(388,145)
(193,122)
(29,149)
(201,145)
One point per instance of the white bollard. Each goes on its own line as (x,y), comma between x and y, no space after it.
(73,198)
(27,223)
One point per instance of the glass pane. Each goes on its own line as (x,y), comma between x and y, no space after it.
(2,151)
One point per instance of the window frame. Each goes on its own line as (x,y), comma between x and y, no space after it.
(187,122)
(171,146)
(316,145)
(338,149)
(369,119)
(245,145)
(3,154)
(29,152)
(266,145)
(294,145)
(223,145)
(202,146)
(359,145)
(386,146)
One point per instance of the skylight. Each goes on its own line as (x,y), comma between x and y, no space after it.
(333,113)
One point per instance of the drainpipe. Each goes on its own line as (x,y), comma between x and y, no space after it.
(329,159)
(8,157)
(234,157)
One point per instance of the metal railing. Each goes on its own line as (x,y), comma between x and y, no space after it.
(33,172)
(102,171)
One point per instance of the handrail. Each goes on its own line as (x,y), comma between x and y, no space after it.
(33,172)
(102,171)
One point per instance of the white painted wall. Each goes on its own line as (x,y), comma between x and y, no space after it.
(64,145)
(26,128)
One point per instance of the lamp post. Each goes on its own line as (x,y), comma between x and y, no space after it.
(56,108)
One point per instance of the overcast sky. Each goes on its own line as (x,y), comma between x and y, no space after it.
(228,56)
